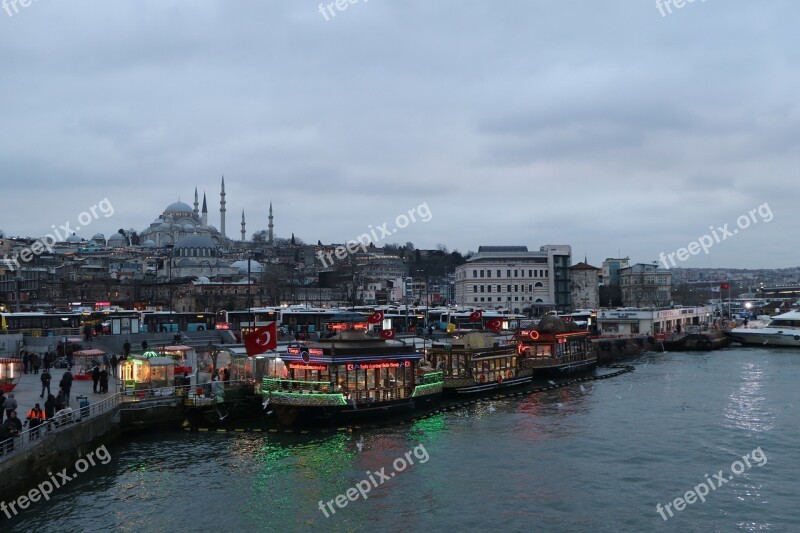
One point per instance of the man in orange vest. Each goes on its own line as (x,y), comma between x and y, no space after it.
(35,418)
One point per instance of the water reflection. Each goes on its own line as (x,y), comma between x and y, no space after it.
(746,407)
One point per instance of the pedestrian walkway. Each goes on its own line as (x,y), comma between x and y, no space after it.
(30,386)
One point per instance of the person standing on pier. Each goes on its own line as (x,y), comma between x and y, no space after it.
(66,384)
(37,362)
(10,404)
(114,362)
(95,378)
(50,406)
(126,349)
(35,418)
(104,380)
(46,378)
(25,361)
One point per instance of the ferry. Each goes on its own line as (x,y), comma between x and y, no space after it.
(349,377)
(782,330)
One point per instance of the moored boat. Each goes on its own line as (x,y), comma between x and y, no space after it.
(349,378)
(477,362)
(782,330)
(556,349)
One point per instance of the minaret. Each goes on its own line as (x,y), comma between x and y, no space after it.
(205,212)
(269,236)
(195,211)
(243,232)
(222,209)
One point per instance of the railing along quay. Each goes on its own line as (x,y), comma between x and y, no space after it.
(64,419)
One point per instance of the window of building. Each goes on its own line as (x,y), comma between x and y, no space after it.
(474,273)
(474,288)
(516,298)
(530,273)
(481,298)
(499,288)
(516,288)
(488,288)
(509,288)
(515,273)
(508,273)
(481,288)
(488,273)
(498,272)
(538,284)
(481,273)
(490,298)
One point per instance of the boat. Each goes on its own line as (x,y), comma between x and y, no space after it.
(782,330)
(478,362)
(556,349)
(350,377)
(694,339)
(610,348)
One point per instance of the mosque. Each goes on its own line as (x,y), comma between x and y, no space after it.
(197,245)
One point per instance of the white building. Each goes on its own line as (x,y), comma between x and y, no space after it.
(629,320)
(515,278)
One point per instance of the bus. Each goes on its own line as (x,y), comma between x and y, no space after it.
(171,322)
(41,324)
(440,319)
(310,319)
(240,321)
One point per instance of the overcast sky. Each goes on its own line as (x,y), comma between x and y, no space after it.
(603,125)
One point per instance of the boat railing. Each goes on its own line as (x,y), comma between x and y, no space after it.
(431,377)
(63,420)
(564,359)
(292,385)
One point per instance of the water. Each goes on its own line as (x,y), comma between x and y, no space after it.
(596,456)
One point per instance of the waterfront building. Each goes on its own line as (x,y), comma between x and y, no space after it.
(645,285)
(585,286)
(632,321)
(515,278)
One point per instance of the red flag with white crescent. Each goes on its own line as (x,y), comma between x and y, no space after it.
(262,339)
(476,316)
(494,324)
(387,333)
(376,317)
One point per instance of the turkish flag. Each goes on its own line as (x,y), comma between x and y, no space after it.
(476,316)
(376,317)
(725,285)
(262,339)
(387,333)
(494,324)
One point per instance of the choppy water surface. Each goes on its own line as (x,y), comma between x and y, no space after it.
(596,456)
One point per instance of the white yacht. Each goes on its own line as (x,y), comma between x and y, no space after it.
(782,330)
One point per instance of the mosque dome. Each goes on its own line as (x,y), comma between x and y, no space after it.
(73,238)
(117,241)
(178,208)
(149,243)
(99,237)
(202,280)
(188,227)
(255,266)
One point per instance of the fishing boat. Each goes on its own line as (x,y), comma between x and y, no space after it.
(350,377)
(782,330)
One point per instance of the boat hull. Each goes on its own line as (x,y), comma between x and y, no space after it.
(293,413)
(754,337)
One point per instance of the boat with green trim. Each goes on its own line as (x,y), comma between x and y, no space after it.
(350,377)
